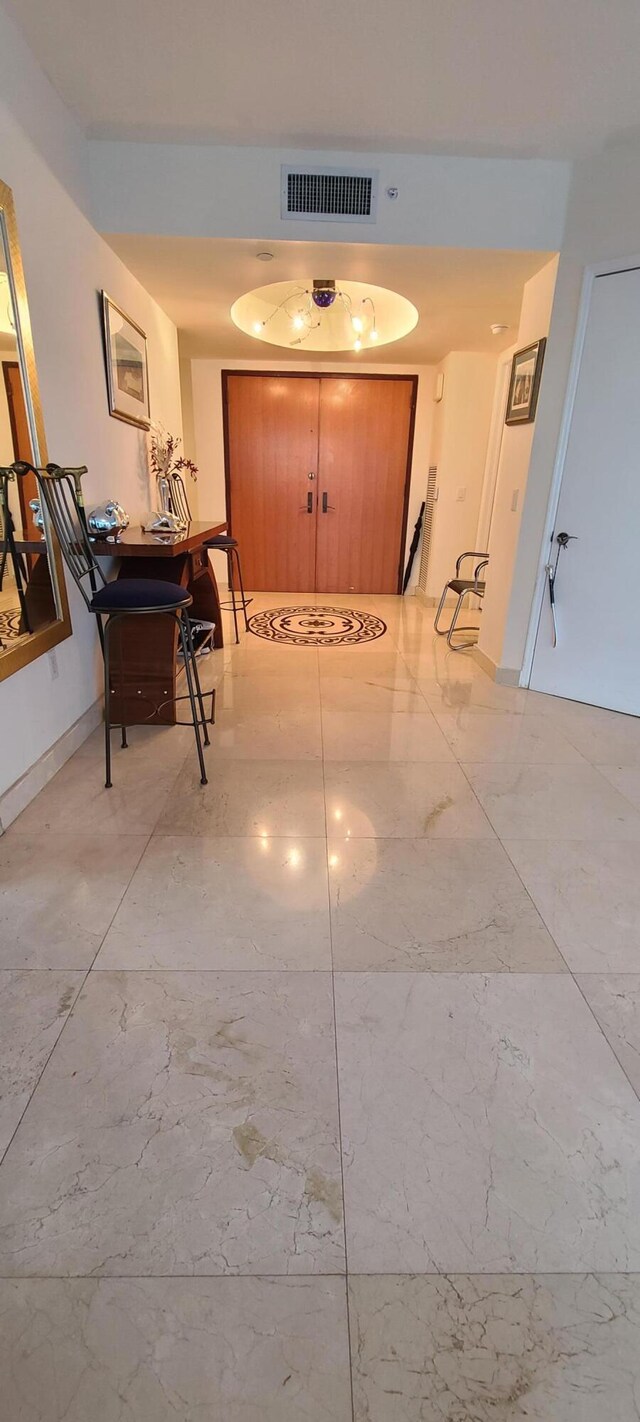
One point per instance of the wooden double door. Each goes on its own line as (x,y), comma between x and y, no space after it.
(317,479)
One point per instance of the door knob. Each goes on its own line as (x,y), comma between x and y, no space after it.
(311,475)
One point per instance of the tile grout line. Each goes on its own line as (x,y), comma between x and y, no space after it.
(569,971)
(355,1274)
(75,1000)
(337,1061)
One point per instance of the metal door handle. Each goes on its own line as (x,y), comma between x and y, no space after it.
(551,569)
(309,505)
(326,506)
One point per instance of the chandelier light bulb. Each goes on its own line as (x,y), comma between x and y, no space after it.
(297,323)
(373,335)
(356,323)
(357,345)
(257,326)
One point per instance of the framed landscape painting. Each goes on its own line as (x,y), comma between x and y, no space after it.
(127,373)
(526,371)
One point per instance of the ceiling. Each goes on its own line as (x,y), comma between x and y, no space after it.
(458,293)
(553,79)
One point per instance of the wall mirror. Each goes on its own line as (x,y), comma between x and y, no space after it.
(34,613)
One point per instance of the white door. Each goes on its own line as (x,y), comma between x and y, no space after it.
(597,590)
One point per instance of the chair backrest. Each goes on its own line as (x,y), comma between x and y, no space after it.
(60,489)
(178,497)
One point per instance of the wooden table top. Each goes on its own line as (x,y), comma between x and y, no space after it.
(133,543)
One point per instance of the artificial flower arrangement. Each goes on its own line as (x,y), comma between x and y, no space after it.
(165,460)
(167,465)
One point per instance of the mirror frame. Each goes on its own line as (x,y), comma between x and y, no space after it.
(13,659)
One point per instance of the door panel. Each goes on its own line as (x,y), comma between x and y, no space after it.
(342,531)
(596,587)
(365,429)
(272,440)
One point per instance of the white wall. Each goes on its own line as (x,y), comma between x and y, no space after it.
(206,384)
(506,591)
(459,448)
(66,264)
(603,223)
(201,191)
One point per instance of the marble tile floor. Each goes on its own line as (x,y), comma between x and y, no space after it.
(320,1086)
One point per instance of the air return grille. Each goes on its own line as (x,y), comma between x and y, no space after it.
(427,527)
(329,195)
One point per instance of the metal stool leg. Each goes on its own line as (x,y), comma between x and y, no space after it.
(196,675)
(244,600)
(441,631)
(232,590)
(460,646)
(194,709)
(107,708)
(123,730)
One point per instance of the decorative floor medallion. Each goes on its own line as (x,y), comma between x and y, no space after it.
(10,621)
(316,626)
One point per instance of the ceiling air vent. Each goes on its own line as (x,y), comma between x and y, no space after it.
(329,195)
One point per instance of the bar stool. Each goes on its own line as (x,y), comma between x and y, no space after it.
(224,543)
(110,602)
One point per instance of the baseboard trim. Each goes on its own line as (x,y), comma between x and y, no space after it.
(433,601)
(505,676)
(23,791)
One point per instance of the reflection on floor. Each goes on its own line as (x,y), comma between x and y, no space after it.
(333,1065)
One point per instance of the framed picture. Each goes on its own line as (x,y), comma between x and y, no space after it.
(526,371)
(127,373)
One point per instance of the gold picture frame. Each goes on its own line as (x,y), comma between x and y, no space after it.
(125,351)
(13,659)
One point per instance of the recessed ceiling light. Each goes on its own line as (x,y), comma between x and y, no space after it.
(497,329)
(265,256)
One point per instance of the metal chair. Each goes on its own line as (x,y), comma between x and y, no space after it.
(110,602)
(178,500)
(223,543)
(464,587)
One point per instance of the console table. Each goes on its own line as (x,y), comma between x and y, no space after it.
(144,650)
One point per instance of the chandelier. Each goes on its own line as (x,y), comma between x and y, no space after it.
(323,314)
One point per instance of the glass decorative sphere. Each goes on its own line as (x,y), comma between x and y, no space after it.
(323,298)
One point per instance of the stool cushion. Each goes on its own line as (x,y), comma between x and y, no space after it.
(223,540)
(461,585)
(132,594)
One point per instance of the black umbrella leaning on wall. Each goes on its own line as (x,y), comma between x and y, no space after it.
(413,549)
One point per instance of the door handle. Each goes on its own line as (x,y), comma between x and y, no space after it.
(327,507)
(309,504)
(551,569)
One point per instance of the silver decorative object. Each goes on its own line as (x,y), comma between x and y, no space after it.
(108,519)
(164,523)
(34,504)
